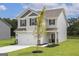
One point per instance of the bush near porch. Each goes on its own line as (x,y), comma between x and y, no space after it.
(67,48)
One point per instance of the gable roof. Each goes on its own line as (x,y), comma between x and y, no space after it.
(25,12)
(6,23)
(48,13)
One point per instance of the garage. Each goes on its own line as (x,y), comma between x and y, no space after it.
(26,39)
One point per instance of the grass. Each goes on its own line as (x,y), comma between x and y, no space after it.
(6,42)
(67,48)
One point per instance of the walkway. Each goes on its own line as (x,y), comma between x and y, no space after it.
(11,48)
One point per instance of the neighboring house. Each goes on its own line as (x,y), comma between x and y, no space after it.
(56,27)
(4,30)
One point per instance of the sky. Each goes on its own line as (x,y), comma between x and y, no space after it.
(11,10)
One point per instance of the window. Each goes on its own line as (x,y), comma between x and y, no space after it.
(32,21)
(51,21)
(22,22)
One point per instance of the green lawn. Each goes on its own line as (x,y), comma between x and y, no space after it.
(6,42)
(67,48)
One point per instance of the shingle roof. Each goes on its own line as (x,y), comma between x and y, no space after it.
(48,13)
(52,12)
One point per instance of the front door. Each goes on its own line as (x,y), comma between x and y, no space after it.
(53,37)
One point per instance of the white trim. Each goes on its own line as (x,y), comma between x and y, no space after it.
(20,14)
(51,17)
(33,31)
(24,11)
(30,16)
(52,31)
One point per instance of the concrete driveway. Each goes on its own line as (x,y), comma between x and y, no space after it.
(11,48)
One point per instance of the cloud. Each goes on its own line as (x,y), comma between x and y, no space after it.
(71,9)
(38,5)
(2,8)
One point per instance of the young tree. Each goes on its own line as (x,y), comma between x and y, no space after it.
(40,27)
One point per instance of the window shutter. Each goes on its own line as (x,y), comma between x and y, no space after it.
(30,21)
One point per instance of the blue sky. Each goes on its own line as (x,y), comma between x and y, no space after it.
(10,10)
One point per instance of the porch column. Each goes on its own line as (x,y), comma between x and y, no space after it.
(56,37)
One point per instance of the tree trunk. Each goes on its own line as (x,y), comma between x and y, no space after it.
(38,40)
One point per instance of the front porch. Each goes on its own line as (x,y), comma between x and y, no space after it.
(49,37)
(52,37)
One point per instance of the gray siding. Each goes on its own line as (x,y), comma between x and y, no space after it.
(4,31)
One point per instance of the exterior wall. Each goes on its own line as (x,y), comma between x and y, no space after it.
(28,27)
(26,39)
(43,39)
(32,28)
(62,28)
(27,21)
(51,26)
(4,31)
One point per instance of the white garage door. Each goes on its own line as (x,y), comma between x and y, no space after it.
(26,39)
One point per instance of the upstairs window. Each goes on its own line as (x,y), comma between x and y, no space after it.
(22,22)
(51,21)
(32,21)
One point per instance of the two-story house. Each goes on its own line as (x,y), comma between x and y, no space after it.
(56,27)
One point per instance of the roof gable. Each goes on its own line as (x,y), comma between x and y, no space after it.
(6,23)
(26,13)
(33,14)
